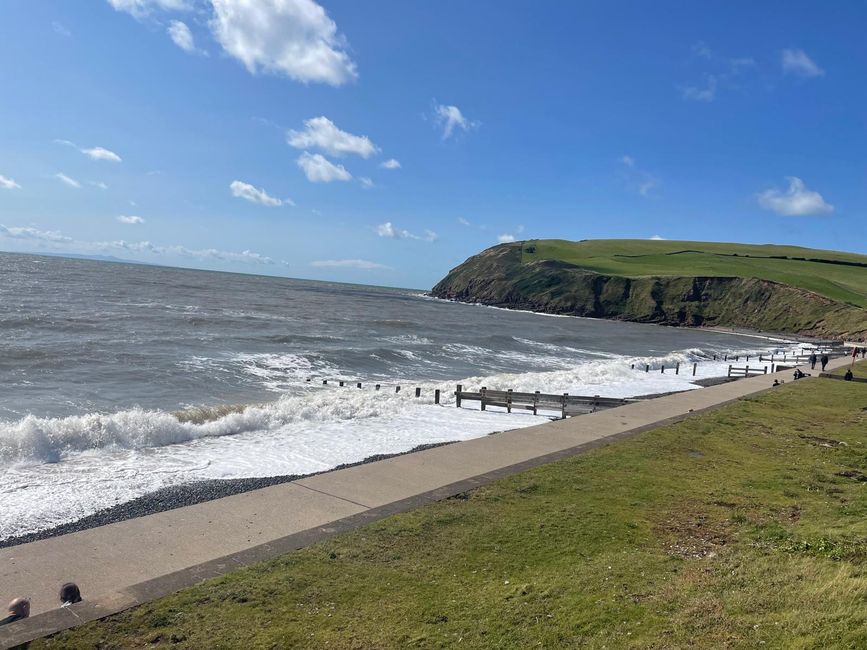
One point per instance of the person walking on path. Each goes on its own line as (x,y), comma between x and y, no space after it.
(824,361)
(813,361)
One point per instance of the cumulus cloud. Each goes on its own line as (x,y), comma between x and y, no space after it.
(321,133)
(795,201)
(319,169)
(391,163)
(66,179)
(387,229)
(131,219)
(250,193)
(295,38)
(181,36)
(506,238)
(450,118)
(657,238)
(364,265)
(51,239)
(798,63)
(7,183)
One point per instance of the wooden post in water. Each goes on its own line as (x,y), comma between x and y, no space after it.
(483,391)
(646,367)
(730,371)
(509,401)
(662,370)
(766,370)
(563,401)
(324,381)
(458,396)
(358,384)
(677,368)
(437,396)
(632,367)
(417,391)
(694,366)
(341,383)
(535,402)
(376,387)
(397,389)
(747,371)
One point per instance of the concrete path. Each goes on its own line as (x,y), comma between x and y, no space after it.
(124,564)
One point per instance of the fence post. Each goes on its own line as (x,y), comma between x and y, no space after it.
(358,384)
(766,370)
(418,392)
(747,371)
(563,399)
(535,402)
(646,367)
(694,366)
(662,370)
(730,371)
(632,367)
(509,401)
(341,383)
(483,391)
(397,389)
(677,368)
(324,381)
(437,396)
(458,395)
(376,387)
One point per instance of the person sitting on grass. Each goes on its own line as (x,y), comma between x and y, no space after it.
(69,594)
(799,374)
(18,609)
(848,376)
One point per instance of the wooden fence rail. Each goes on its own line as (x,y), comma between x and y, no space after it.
(566,404)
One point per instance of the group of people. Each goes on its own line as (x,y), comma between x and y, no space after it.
(824,360)
(20,607)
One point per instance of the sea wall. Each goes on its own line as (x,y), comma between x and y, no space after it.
(497,277)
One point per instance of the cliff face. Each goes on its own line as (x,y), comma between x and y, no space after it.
(497,277)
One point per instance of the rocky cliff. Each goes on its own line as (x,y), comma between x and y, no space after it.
(498,277)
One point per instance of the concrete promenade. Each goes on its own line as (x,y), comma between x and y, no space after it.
(125,564)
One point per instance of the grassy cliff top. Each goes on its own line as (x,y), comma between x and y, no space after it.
(839,276)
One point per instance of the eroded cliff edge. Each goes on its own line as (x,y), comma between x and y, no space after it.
(497,277)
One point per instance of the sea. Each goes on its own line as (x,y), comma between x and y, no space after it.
(121,379)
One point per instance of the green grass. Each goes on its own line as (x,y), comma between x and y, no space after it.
(641,258)
(742,527)
(859,370)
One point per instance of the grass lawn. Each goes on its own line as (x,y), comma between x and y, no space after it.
(859,370)
(743,527)
(790,265)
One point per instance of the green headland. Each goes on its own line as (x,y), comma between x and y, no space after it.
(761,287)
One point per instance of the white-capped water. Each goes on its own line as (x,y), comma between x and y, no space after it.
(97,360)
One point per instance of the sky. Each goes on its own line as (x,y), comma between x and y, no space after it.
(384,143)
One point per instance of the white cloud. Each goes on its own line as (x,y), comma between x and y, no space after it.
(100,153)
(629,161)
(7,183)
(96,153)
(638,179)
(319,169)
(796,201)
(295,38)
(657,238)
(505,238)
(57,241)
(464,222)
(349,264)
(250,193)
(706,93)
(66,179)
(131,220)
(449,118)
(141,8)
(322,133)
(391,163)
(60,28)
(99,184)
(366,182)
(646,185)
(797,62)
(181,36)
(387,229)
(702,49)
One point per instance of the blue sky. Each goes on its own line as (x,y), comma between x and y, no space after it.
(259,135)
